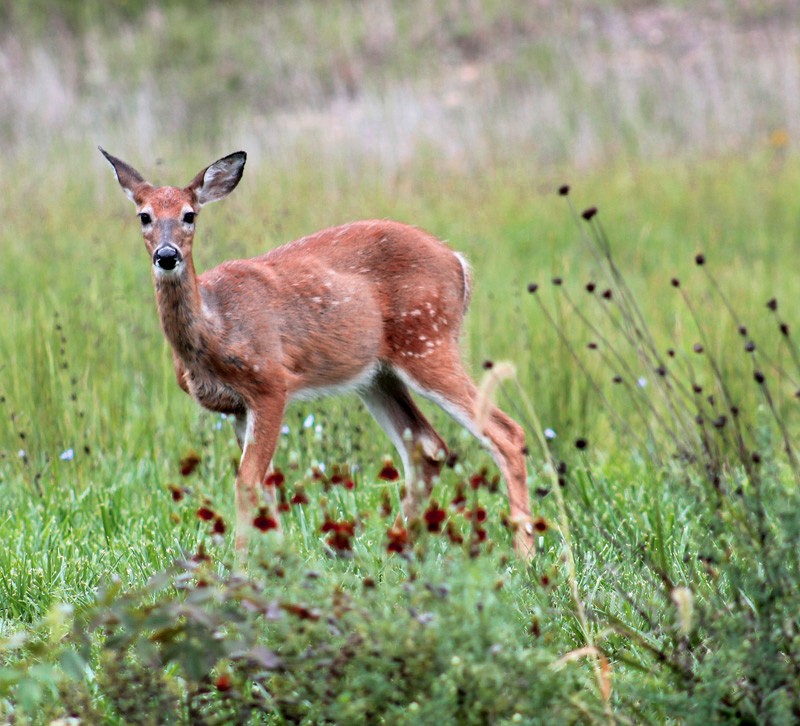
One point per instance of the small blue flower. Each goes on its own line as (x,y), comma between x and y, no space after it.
(549,434)
(67,455)
(309,422)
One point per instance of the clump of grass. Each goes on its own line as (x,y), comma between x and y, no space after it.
(716,550)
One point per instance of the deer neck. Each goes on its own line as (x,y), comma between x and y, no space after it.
(180,307)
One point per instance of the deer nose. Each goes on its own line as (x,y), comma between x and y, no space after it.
(167,257)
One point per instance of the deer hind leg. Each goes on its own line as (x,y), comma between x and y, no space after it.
(442,379)
(421,449)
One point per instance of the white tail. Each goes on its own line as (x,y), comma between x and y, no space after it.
(375,307)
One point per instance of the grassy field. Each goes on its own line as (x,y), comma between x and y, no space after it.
(665,581)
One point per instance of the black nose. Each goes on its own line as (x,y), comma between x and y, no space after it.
(166,257)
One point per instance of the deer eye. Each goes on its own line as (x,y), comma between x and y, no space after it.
(146,219)
(188,218)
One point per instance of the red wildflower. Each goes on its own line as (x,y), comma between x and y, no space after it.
(223,683)
(264,520)
(388,473)
(478,514)
(340,533)
(434,516)
(398,539)
(337,478)
(275,479)
(219,525)
(317,474)
(349,484)
(299,497)
(453,534)
(177,492)
(189,463)
(206,514)
(478,480)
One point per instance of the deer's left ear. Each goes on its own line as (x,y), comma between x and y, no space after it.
(219,179)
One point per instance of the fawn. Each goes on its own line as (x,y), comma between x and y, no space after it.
(373,307)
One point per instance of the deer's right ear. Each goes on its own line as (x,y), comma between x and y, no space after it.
(129,179)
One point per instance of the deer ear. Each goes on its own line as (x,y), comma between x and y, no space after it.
(219,179)
(129,179)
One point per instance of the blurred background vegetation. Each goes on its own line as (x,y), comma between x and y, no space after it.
(471,82)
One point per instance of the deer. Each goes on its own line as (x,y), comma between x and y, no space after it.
(374,307)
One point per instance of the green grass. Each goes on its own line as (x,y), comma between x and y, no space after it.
(670,554)
(85,368)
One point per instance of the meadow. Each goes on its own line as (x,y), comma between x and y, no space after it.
(655,371)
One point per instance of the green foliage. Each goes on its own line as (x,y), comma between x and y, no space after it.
(423,641)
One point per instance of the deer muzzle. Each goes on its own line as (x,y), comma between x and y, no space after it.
(167,257)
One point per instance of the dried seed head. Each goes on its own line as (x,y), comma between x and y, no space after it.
(540,524)
(756,457)
(758,376)
(589,213)
(697,348)
(581,444)
(563,190)
(784,330)
(590,287)
(700,259)
(750,346)
(532,287)
(742,331)
(670,352)
(661,370)
(772,304)
(607,294)
(719,423)
(488,365)
(675,282)
(557,281)
(697,388)
(617,379)
(592,346)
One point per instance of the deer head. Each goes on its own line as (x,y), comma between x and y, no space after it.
(168,214)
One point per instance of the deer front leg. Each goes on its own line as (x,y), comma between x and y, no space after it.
(262,427)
